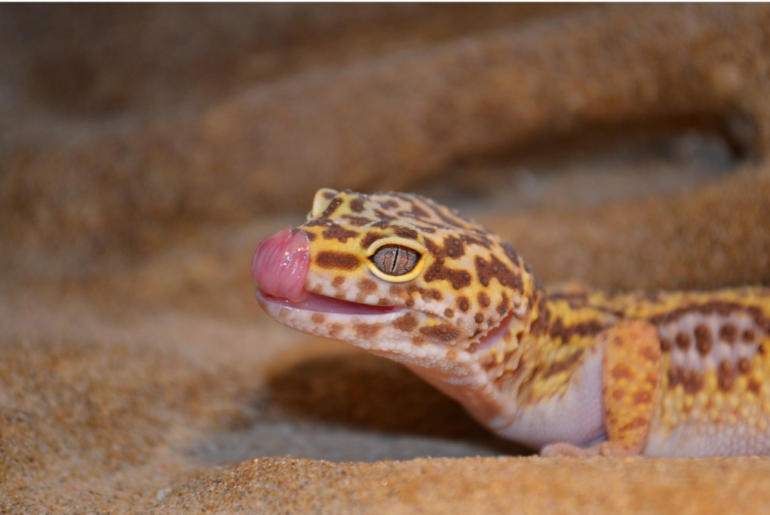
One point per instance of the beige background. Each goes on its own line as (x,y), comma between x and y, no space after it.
(146,150)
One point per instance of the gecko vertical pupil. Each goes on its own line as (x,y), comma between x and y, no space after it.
(395,259)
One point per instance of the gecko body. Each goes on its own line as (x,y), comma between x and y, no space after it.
(569,371)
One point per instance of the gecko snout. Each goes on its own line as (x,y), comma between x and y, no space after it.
(281,263)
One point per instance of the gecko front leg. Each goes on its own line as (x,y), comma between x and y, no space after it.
(630,384)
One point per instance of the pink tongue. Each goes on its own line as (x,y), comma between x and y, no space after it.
(280,265)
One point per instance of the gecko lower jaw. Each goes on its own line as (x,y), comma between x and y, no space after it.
(322,304)
(341,311)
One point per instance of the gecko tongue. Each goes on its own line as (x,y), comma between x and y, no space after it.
(280,265)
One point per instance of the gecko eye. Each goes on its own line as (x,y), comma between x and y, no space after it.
(395,259)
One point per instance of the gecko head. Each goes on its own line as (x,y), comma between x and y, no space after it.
(396,274)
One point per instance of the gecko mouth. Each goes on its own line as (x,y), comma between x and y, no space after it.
(322,304)
(314,303)
(494,335)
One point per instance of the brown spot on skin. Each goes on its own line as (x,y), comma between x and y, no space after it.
(542,320)
(479,318)
(725,375)
(583,329)
(318,318)
(339,260)
(561,366)
(642,397)
(748,336)
(703,339)
(621,371)
(358,221)
(370,238)
(692,381)
(437,271)
(406,232)
(557,328)
(634,424)
(429,230)
(744,365)
(409,303)
(451,355)
(433,248)
(683,341)
(385,220)
(753,386)
(481,241)
(574,299)
(728,333)
(337,232)
(449,313)
(441,333)
(367,285)
(511,253)
(651,379)
(338,281)
(357,205)
(447,218)
(496,269)
(454,247)
(721,307)
(673,377)
(488,362)
(335,330)
(483,299)
(388,204)
(415,211)
(649,353)
(332,207)
(666,345)
(406,323)
(417,340)
(367,331)
(311,236)
(502,308)
(463,304)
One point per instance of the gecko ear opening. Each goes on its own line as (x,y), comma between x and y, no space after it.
(321,201)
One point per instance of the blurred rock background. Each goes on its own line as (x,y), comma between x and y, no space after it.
(146,149)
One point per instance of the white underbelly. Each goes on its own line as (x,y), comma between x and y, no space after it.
(576,416)
(705,439)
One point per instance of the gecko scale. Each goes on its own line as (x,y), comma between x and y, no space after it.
(571,372)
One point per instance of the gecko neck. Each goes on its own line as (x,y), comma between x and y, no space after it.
(483,382)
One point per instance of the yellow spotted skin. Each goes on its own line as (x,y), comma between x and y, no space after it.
(566,371)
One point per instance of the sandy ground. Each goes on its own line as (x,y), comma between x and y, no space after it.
(622,146)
